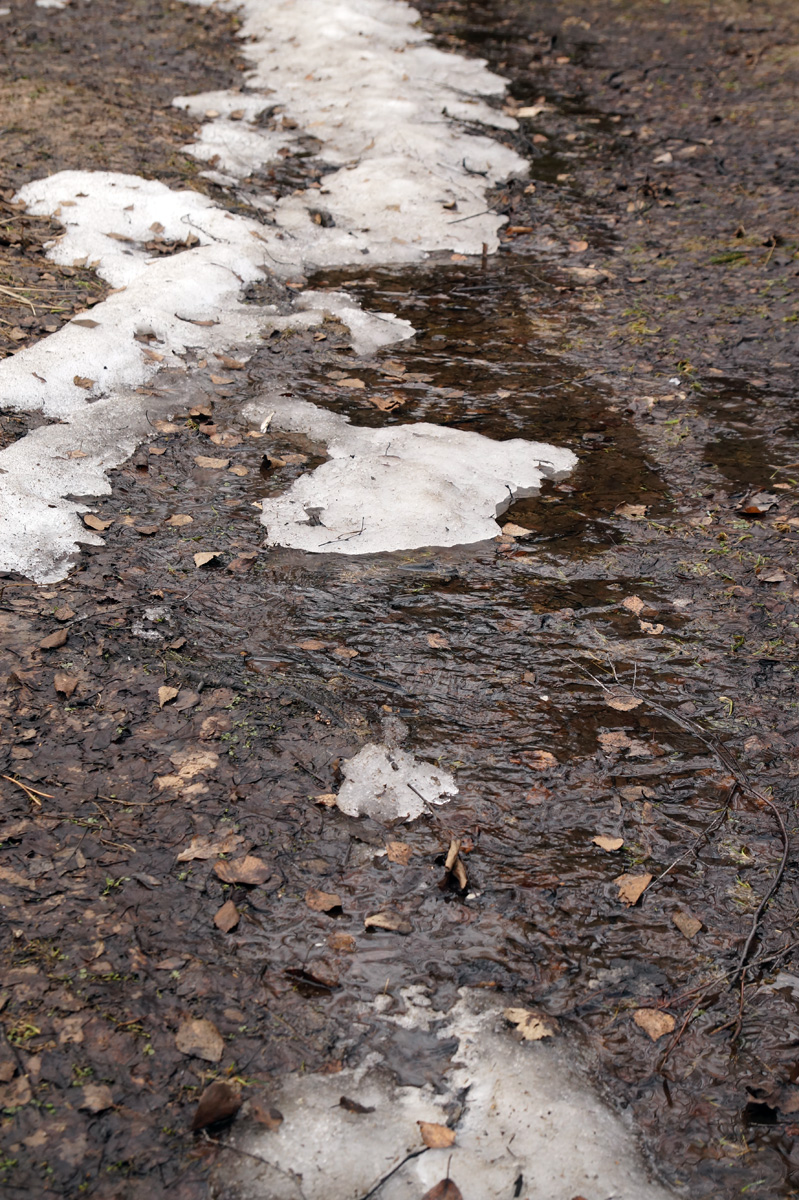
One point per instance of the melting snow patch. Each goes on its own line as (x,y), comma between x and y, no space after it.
(381,100)
(525,1123)
(400,487)
(389,783)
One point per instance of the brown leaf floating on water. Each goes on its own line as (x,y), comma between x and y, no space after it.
(219,1102)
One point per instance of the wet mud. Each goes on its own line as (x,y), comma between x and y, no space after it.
(508,663)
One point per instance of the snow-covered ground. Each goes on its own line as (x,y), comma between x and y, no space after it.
(409,180)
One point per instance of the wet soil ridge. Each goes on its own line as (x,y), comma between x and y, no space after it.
(195,930)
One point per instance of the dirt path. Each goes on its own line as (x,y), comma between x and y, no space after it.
(663,352)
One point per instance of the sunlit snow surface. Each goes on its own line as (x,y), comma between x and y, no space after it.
(526,1124)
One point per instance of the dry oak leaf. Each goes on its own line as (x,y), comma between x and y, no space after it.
(436,1137)
(165,694)
(530,1026)
(200,1038)
(399,852)
(179,519)
(54,640)
(65,684)
(688,926)
(648,627)
(96,1098)
(328,799)
(92,521)
(204,557)
(82,381)
(219,380)
(445,1190)
(345,652)
(227,917)
(654,1022)
(351,382)
(634,604)
(241,471)
(249,869)
(312,644)
(608,843)
(232,364)
(64,613)
(212,464)
(219,1102)
(322,901)
(515,531)
(390,921)
(632,887)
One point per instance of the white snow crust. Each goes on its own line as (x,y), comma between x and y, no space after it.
(526,1113)
(360,76)
(108,220)
(401,487)
(390,784)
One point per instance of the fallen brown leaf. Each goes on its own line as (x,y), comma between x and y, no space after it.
(688,926)
(96,1098)
(94,522)
(453,865)
(622,701)
(648,627)
(65,684)
(219,380)
(54,640)
(82,381)
(398,852)
(390,921)
(312,644)
(165,694)
(633,604)
(608,843)
(219,1102)
(271,1117)
(531,1026)
(227,917)
(200,1038)
(632,887)
(204,557)
(351,382)
(445,1190)
(654,1022)
(211,464)
(515,531)
(437,641)
(179,519)
(436,1137)
(232,364)
(540,760)
(387,403)
(249,869)
(322,901)
(342,942)
(632,512)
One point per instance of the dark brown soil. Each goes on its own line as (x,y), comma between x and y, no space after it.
(281,663)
